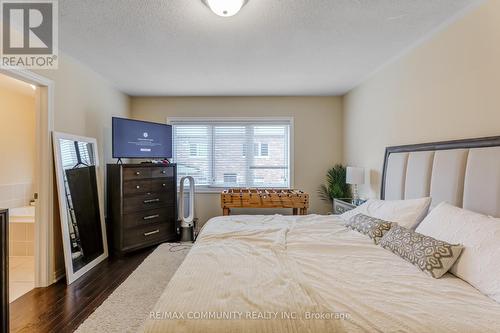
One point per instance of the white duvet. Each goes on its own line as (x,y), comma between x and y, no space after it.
(309,274)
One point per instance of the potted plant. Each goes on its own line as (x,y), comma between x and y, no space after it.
(335,186)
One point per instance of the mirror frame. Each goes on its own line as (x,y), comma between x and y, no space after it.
(72,276)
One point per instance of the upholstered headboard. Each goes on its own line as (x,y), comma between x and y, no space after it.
(465,173)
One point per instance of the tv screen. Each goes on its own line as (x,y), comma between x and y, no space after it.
(141,139)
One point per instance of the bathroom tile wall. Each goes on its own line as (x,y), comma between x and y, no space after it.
(21,235)
(16,195)
(21,239)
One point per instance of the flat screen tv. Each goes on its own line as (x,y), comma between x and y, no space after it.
(141,139)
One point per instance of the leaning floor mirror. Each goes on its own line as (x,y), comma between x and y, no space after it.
(82,216)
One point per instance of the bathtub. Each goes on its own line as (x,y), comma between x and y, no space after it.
(22,215)
(22,231)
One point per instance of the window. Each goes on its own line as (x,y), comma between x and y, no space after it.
(230,178)
(193,150)
(261,150)
(264,149)
(259,180)
(229,152)
(197,150)
(70,151)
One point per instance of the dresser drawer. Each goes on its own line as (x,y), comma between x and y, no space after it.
(148,217)
(136,173)
(162,185)
(142,200)
(340,207)
(147,201)
(162,172)
(149,234)
(132,187)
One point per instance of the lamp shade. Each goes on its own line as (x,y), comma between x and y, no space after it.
(355,176)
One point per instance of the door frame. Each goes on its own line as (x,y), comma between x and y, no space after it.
(44,175)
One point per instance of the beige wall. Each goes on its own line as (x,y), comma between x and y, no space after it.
(17,142)
(17,137)
(317,133)
(84,105)
(448,88)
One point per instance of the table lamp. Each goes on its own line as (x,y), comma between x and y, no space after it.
(355,176)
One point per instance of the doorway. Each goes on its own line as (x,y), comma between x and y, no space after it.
(41,194)
(17,179)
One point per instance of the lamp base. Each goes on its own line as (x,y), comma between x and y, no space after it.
(355,193)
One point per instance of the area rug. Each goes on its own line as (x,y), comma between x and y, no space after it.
(128,307)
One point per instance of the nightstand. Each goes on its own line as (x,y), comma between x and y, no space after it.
(343,205)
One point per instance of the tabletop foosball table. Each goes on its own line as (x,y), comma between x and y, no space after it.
(265,198)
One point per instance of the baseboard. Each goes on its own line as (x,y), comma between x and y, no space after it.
(58,275)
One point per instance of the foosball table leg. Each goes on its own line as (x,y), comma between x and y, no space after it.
(295,211)
(303,211)
(227,211)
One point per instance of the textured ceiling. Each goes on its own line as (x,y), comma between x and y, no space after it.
(272,47)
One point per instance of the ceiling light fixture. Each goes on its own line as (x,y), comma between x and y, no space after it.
(225,8)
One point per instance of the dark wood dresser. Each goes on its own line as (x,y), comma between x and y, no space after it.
(4,266)
(142,200)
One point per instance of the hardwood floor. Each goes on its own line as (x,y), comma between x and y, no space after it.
(62,308)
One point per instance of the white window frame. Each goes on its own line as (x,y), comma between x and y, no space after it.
(264,120)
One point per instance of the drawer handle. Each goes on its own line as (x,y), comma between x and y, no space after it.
(151,201)
(157,231)
(138,187)
(164,172)
(150,217)
(137,173)
(164,185)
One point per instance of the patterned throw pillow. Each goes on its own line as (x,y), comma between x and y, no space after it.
(430,255)
(370,226)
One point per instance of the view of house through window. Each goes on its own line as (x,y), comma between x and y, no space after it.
(230,153)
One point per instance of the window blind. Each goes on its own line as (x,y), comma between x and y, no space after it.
(225,153)
(69,154)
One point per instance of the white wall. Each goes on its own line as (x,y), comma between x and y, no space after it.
(448,88)
(318,133)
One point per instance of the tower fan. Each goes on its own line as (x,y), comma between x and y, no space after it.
(186,206)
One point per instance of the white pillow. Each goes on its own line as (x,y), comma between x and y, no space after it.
(406,213)
(479,263)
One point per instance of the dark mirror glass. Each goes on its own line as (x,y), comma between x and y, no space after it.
(82,201)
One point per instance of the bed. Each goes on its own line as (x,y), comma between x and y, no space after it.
(311,274)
